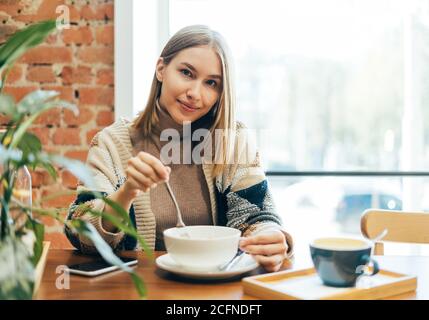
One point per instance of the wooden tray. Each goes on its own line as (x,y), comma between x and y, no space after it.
(306,285)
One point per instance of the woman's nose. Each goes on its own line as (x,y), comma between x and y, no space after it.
(194,91)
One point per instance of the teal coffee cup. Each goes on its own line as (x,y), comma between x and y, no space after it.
(340,261)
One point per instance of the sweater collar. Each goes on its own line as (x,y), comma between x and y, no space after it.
(165,121)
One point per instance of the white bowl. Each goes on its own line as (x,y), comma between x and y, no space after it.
(202,247)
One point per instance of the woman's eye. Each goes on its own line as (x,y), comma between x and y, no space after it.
(186,72)
(212,83)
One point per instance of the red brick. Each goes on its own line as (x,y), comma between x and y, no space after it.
(58,202)
(67,75)
(105,118)
(68,179)
(52,149)
(6,31)
(41,74)
(102,12)
(97,96)
(36,179)
(40,178)
(90,134)
(11,7)
(104,34)
(77,155)
(96,55)
(47,54)
(61,197)
(82,35)
(52,39)
(74,14)
(42,134)
(46,220)
(50,117)
(76,75)
(19,92)
(105,76)
(35,196)
(47,10)
(15,74)
(85,115)
(88,13)
(67,136)
(106,10)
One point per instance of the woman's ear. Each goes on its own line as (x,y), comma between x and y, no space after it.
(160,67)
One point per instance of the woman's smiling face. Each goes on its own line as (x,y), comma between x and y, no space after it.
(191,83)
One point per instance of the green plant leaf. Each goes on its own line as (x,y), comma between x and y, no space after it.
(125,227)
(16,270)
(139,285)
(24,39)
(131,230)
(51,170)
(7,105)
(88,230)
(39,231)
(29,144)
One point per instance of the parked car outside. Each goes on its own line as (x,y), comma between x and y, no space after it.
(354,202)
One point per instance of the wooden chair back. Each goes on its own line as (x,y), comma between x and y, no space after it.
(411,227)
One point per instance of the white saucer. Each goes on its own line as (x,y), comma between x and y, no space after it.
(246,264)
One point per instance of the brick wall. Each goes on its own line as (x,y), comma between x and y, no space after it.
(78,63)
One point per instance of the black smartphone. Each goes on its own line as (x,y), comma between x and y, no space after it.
(97,267)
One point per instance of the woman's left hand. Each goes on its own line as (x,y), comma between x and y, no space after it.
(269,249)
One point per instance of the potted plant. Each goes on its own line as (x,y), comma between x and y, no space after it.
(21,240)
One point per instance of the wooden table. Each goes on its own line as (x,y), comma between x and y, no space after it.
(165,286)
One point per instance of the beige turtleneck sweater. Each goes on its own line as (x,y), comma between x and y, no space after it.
(186,180)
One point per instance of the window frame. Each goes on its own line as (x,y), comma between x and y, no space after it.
(129,99)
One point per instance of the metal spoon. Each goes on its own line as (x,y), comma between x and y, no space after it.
(180,223)
(228,265)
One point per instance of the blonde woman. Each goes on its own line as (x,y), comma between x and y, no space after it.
(192,89)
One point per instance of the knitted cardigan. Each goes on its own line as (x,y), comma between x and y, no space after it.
(240,197)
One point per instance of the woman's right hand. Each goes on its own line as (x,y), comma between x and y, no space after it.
(144,172)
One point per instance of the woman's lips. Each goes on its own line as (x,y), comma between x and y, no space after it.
(186,108)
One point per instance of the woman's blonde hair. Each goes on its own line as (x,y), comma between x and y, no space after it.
(224,116)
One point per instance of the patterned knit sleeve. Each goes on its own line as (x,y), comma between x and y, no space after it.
(247,197)
(106,180)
